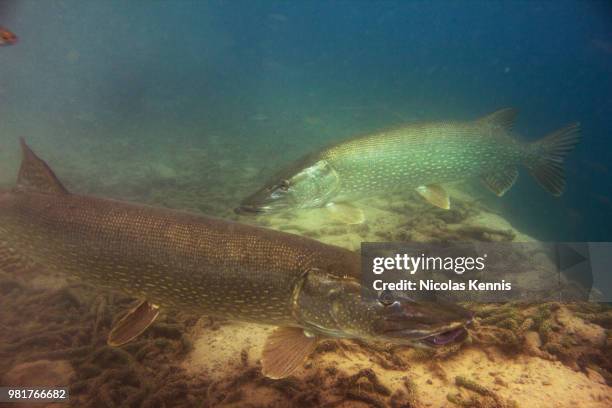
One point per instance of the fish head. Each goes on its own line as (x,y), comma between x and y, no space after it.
(402,320)
(309,185)
(340,307)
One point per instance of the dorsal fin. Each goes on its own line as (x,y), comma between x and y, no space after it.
(503,118)
(36,175)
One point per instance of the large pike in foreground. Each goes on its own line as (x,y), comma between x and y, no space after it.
(184,261)
(418,156)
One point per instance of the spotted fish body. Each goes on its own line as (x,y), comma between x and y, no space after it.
(422,154)
(173,259)
(418,156)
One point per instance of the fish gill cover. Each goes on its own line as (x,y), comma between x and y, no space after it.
(195,105)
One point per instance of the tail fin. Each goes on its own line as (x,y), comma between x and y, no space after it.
(550,152)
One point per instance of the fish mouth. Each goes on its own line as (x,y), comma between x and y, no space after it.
(456,335)
(452,335)
(412,324)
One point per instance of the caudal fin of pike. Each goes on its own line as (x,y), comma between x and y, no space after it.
(551,151)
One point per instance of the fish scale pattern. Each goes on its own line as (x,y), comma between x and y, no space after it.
(422,154)
(170,258)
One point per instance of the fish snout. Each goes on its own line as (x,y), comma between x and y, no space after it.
(430,323)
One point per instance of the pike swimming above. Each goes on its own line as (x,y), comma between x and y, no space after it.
(418,156)
(176,260)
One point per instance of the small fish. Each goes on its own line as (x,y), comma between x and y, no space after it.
(181,261)
(418,156)
(7,37)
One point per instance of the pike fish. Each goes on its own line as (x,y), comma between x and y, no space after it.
(418,156)
(182,261)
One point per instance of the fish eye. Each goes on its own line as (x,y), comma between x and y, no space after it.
(284,185)
(386,298)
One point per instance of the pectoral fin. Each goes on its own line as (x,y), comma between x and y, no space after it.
(132,324)
(435,195)
(501,182)
(285,349)
(345,213)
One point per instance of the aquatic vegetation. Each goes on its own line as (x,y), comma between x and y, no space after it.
(484,397)
(69,324)
(552,331)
